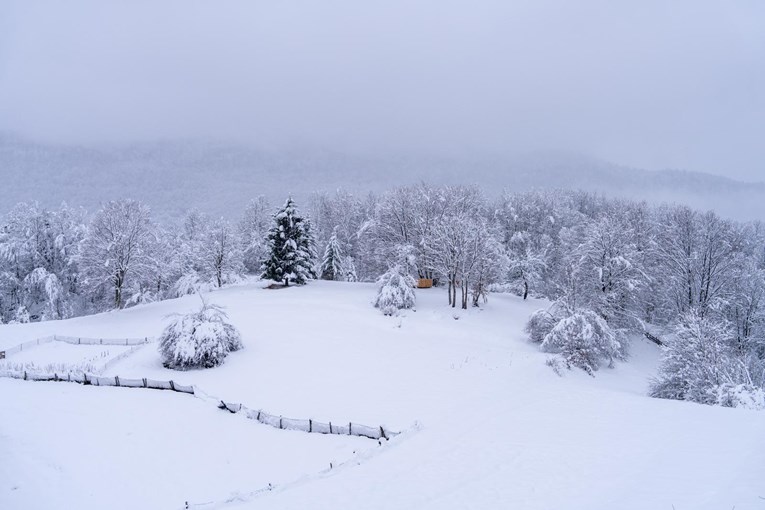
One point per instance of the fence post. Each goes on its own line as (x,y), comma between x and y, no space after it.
(55,376)
(349,428)
(280,422)
(25,375)
(116,380)
(172,385)
(310,425)
(85,379)
(330,427)
(145,384)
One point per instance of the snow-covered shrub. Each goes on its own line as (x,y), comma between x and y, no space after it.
(557,364)
(584,340)
(698,363)
(395,291)
(21,316)
(540,324)
(198,340)
(739,395)
(188,283)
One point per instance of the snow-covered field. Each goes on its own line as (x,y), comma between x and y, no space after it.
(53,357)
(496,428)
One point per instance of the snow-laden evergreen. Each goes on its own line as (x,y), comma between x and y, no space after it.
(349,269)
(331,264)
(395,291)
(201,339)
(291,252)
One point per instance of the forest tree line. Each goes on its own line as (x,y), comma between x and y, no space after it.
(635,265)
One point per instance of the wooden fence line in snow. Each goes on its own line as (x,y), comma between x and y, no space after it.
(280,422)
(309,425)
(94,380)
(74,340)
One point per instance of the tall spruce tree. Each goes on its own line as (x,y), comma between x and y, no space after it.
(331,265)
(291,253)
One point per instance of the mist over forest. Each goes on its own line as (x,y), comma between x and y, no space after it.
(221,178)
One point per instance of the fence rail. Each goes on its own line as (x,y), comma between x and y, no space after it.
(309,425)
(95,380)
(76,340)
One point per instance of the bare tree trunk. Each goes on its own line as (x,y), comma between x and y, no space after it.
(118,282)
(525,289)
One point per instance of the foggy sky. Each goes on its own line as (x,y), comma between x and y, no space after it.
(653,84)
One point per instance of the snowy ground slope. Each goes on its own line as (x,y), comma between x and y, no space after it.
(499,428)
(71,446)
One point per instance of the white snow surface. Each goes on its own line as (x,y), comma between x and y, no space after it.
(496,427)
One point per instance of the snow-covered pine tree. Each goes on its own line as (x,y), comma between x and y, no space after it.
(291,253)
(395,291)
(349,267)
(331,265)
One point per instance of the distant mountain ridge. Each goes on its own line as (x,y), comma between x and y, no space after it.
(219,178)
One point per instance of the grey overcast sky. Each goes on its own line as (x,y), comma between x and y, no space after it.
(655,84)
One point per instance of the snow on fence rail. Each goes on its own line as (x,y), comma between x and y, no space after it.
(311,426)
(96,380)
(25,345)
(102,341)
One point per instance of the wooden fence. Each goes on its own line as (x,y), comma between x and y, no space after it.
(276,421)
(95,380)
(74,340)
(311,426)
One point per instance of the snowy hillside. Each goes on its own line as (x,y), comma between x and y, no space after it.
(220,178)
(485,423)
